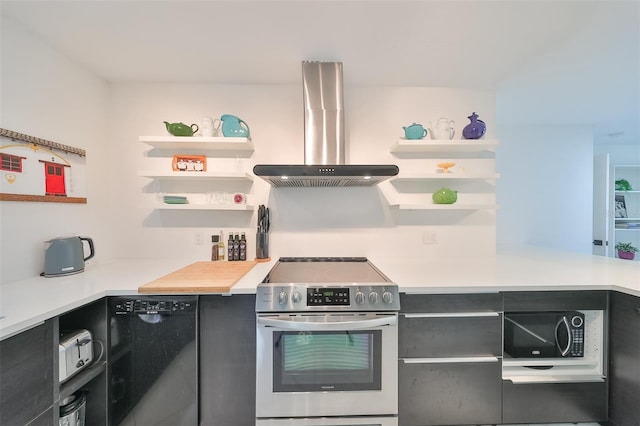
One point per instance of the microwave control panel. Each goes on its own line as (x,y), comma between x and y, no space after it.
(577,336)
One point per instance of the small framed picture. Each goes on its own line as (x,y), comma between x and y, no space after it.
(189,163)
(621,207)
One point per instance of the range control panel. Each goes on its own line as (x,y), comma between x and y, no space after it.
(297,298)
(328,296)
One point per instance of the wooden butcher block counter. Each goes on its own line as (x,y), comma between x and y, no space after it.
(200,277)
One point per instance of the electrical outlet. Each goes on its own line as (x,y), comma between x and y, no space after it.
(429,237)
(197,238)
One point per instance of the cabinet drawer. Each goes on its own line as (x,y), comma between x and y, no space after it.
(449,303)
(442,335)
(449,393)
(26,368)
(554,300)
(554,402)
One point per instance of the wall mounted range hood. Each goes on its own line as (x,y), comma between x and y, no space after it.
(324,138)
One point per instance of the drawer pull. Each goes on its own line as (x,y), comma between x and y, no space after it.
(452,315)
(455,360)
(577,378)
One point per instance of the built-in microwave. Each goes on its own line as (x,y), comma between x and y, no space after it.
(544,334)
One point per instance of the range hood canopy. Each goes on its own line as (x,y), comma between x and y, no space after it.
(324,138)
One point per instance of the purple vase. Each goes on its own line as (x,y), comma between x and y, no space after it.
(475,129)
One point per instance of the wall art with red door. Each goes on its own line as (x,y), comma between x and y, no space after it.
(35,169)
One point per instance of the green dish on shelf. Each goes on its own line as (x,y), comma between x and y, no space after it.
(168,199)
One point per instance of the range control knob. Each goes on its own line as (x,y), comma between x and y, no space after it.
(359,298)
(387,297)
(373,297)
(283,297)
(296,297)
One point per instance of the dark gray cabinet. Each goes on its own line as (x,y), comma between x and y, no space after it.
(449,393)
(624,360)
(227,360)
(449,370)
(554,402)
(27,376)
(555,300)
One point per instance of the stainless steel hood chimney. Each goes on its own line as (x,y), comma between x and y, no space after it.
(324,138)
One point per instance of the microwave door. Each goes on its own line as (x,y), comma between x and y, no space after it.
(564,340)
(525,338)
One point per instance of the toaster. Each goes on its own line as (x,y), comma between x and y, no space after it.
(75,352)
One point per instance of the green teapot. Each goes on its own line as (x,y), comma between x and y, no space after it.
(181,129)
(445,196)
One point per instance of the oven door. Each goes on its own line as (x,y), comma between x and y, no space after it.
(315,365)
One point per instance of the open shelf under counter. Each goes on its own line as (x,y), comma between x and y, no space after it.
(80,379)
(209,144)
(171,175)
(455,206)
(430,176)
(443,145)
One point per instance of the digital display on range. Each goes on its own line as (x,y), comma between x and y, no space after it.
(328,296)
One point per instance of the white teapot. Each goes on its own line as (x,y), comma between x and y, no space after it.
(443,129)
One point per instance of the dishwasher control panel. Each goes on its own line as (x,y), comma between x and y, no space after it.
(152,306)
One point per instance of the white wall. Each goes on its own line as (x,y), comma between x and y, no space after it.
(621,154)
(46,95)
(545,119)
(312,221)
(545,191)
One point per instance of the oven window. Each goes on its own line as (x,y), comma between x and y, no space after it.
(327,361)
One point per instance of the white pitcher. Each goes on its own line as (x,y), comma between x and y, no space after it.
(210,127)
(443,129)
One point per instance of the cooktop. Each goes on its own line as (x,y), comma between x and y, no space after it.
(326,283)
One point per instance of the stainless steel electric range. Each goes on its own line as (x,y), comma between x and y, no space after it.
(327,343)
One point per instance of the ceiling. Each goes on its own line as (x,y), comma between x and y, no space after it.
(480,44)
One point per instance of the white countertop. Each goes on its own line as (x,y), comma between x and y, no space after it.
(26,303)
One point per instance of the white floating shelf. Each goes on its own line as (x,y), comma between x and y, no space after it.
(430,176)
(442,145)
(221,144)
(454,206)
(233,207)
(171,175)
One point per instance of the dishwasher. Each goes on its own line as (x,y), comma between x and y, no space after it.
(153,360)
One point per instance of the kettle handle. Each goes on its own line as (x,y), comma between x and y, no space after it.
(193,130)
(91,249)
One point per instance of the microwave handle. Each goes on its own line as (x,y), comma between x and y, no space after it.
(565,322)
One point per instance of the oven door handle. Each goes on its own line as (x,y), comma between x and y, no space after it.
(293,324)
